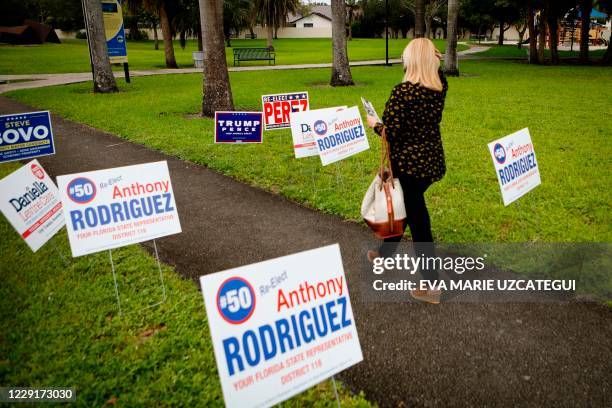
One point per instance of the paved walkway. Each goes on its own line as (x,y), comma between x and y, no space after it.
(415,355)
(40,80)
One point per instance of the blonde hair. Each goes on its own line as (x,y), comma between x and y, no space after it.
(421,64)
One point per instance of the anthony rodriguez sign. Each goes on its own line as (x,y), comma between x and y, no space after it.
(238,127)
(515,164)
(281,326)
(277,108)
(339,135)
(302,130)
(115,207)
(30,202)
(25,135)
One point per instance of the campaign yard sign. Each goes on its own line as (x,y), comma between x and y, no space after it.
(515,164)
(339,135)
(115,207)
(114,30)
(25,135)
(281,326)
(302,132)
(30,202)
(238,127)
(278,107)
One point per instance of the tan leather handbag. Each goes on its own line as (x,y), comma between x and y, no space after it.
(383,206)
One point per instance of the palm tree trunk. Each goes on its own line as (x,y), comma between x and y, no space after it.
(419,18)
(500,41)
(533,41)
(427,27)
(585,24)
(103,78)
(217,90)
(341,71)
(167,35)
(553,26)
(155,36)
(541,38)
(451,65)
(607,58)
(270,35)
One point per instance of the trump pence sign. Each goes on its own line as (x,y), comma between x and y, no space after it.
(281,326)
(30,202)
(115,207)
(339,134)
(238,127)
(515,164)
(25,135)
(278,107)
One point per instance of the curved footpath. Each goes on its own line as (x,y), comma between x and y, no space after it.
(415,355)
(40,80)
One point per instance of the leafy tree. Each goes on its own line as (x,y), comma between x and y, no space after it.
(273,13)
(236,17)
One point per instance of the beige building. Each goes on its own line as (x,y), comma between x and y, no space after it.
(316,24)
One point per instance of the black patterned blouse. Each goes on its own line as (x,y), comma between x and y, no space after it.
(412,121)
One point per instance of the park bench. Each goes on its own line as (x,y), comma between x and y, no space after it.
(253,54)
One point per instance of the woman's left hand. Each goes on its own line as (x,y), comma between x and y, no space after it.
(371,120)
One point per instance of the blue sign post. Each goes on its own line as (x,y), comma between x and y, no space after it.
(25,135)
(112,10)
(238,127)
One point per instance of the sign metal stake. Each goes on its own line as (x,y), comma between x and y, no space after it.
(335,391)
(110,255)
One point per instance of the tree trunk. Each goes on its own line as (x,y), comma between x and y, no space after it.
(341,71)
(607,58)
(167,35)
(500,41)
(553,26)
(451,65)
(103,78)
(585,24)
(427,28)
(270,34)
(541,39)
(419,18)
(183,39)
(199,35)
(533,41)
(521,33)
(350,24)
(155,36)
(217,91)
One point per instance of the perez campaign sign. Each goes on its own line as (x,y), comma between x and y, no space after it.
(30,202)
(25,135)
(515,164)
(302,131)
(339,135)
(112,208)
(238,127)
(281,326)
(277,108)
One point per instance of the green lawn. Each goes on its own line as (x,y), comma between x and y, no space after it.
(512,51)
(60,327)
(72,55)
(565,108)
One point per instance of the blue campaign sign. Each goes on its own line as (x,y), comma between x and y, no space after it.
(25,135)
(114,30)
(238,127)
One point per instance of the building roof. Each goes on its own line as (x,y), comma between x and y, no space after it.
(322,10)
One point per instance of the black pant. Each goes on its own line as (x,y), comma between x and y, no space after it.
(417,218)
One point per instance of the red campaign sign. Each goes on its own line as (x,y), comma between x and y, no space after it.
(277,108)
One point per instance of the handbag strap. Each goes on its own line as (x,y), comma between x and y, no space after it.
(385,157)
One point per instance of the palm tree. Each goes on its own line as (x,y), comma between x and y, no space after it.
(217,90)
(586,6)
(341,71)
(273,14)
(432,9)
(353,9)
(451,64)
(236,17)
(103,78)
(160,8)
(419,18)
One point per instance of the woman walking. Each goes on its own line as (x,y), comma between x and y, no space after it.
(412,126)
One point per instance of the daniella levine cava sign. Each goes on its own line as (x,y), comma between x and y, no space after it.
(281,326)
(515,164)
(30,202)
(115,207)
